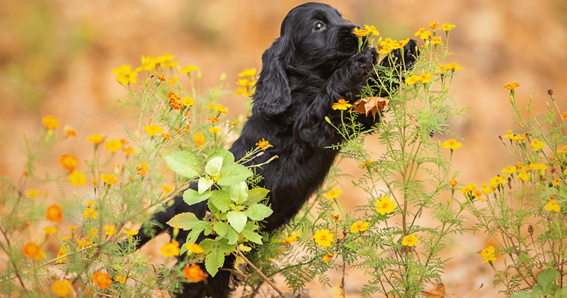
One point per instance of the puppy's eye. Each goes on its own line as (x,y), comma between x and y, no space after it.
(319,26)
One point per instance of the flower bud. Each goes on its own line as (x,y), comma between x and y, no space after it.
(223,77)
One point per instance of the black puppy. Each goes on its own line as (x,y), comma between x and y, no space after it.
(314,63)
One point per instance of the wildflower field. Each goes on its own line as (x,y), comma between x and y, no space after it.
(459,192)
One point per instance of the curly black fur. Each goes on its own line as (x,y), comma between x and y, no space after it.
(308,68)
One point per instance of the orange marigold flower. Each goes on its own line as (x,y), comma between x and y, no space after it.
(68,161)
(113,145)
(213,119)
(101,279)
(564,115)
(263,144)
(142,169)
(433,25)
(323,238)
(128,151)
(453,182)
(235,124)
(153,130)
(199,139)
(71,133)
(33,251)
(62,288)
(292,238)
(360,32)
(341,104)
(77,178)
(335,217)
(50,230)
(333,194)
(61,253)
(50,122)
(72,228)
(166,136)
(410,240)
(54,213)
(97,139)
(108,178)
(170,249)
(511,86)
(328,257)
(194,248)
(32,192)
(193,273)
(359,226)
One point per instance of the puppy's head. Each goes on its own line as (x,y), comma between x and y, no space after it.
(315,40)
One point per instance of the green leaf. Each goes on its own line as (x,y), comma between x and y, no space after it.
(237,220)
(547,277)
(255,195)
(183,163)
(214,166)
(204,184)
(220,199)
(192,197)
(214,260)
(238,192)
(208,245)
(226,155)
(561,293)
(226,231)
(185,221)
(225,246)
(194,234)
(523,294)
(232,174)
(258,211)
(252,236)
(537,291)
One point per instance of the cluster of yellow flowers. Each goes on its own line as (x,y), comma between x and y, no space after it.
(127,76)
(247,82)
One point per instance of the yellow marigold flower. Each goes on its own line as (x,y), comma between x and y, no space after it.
(153,130)
(245,87)
(425,77)
(108,178)
(54,213)
(249,72)
(33,251)
(433,25)
(234,123)
(366,164)
(188,69)
(125,75)
(423,34)
(121,279)
(90,212)
(263,144)
(213,119)
(335,217)
(447,27)
(469,188)
(199,139)
(497,180)
(328,257)
(123,68)
(131,232)
(93,232)
(110,230)
(360,32)
(72,228)
(385,206)
(173,81)
(359,226)
(142,168)
(292,238)
(488,254)
(194,248)
(166,188)
(62,252)
(412,79)
(539,167)
(437,40)
(485,189)
(333,194)
(372,30)
(97,139)
(50,122)
(478,194)
(62,288)
(511,86)
(71,133)
(32,192)
(68,161)
(552,206)
(170,249)
(94,181)
(219,109)
(323,238)
(524,176)
(510,170)
(452,66)
(77,178)
(452,144)
(564,115)
(101,279)
(50,230)
(214,130)
(453,182)
(536,144)
(113,145)
(90,204)
(128,151)
(556,182)
(410,240)
(188,101)
(193,273)
(342,104)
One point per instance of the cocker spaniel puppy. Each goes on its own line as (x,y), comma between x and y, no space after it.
(314,63)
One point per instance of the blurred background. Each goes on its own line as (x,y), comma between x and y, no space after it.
(56,57)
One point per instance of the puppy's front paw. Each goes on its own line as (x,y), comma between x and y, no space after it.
(364,62)
(410,54)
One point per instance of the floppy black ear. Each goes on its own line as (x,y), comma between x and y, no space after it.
(273,95)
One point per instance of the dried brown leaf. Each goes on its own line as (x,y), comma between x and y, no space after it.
(372,105)
(434,289)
